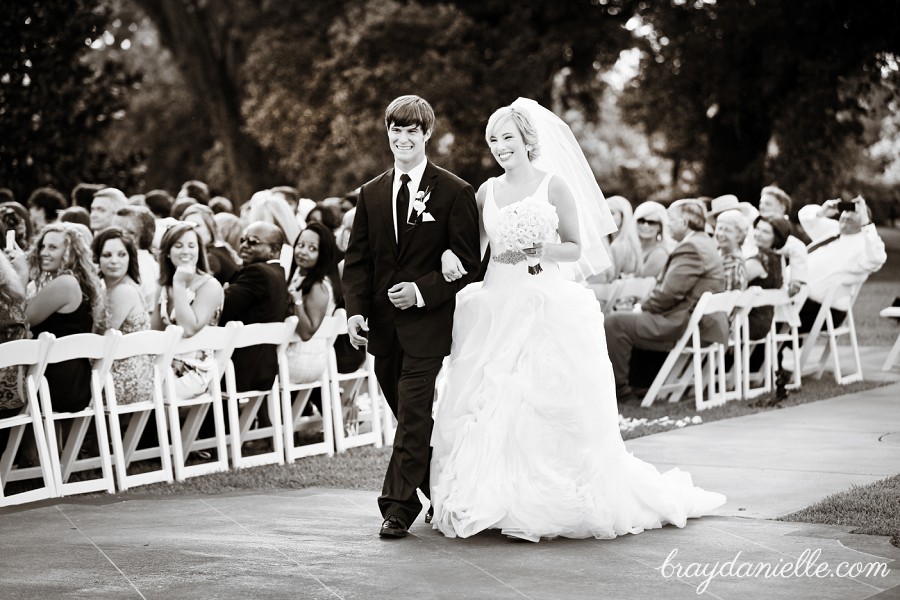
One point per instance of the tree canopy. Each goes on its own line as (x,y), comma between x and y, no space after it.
(727,96)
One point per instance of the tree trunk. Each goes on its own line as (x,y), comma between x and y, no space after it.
(205,48)
(736,155)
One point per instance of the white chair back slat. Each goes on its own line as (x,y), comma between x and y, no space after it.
(243,407)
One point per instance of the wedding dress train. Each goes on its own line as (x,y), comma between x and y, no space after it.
(526,436)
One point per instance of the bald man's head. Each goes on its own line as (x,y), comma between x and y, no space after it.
(261,241)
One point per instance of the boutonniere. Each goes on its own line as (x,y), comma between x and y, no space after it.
(421,200)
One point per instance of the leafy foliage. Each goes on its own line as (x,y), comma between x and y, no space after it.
(54,103)
(754,91)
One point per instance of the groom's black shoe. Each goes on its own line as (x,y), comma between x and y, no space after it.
(430,514)
(393,527)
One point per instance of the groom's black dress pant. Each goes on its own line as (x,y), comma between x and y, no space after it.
(408,386)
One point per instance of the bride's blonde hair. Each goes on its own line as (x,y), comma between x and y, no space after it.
(522,120)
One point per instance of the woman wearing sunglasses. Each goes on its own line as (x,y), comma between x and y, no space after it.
(652,230)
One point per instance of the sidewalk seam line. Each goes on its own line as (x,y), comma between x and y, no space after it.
(277,549)
(100,550)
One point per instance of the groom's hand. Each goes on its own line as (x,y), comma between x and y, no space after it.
(355,326)
(403,295)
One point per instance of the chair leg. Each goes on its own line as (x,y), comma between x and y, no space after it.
(892,355)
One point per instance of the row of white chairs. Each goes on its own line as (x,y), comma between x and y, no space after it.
(694,361)
(353,412)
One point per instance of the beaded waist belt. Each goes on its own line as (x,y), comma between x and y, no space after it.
(510,257)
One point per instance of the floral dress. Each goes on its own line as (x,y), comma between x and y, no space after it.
(133,377)
(13,326)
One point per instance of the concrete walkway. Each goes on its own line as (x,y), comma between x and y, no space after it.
(323,544)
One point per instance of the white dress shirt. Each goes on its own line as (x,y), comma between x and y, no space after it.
(415,178)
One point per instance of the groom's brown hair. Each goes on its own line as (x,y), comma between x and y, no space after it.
(409,110)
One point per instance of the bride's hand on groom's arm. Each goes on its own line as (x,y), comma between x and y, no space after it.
(451,267)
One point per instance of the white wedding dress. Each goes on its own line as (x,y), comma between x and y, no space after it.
(526,436)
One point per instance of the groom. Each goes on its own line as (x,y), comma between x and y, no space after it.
(396,297)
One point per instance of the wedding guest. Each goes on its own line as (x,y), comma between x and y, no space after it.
(694,267)
(180,205)
(315,289)
(224,262)
(159,202)
(190,297)
(852,252)
(774,203)
(13,326)
(229,227)
(76,214)
(289,194)
(257,294)
(45,204)
(765,269)
(730,231)
(651,221)
(17,218)
(65,298)
(140,226)
(625,250)
(104,206)
(117,258)
(342,238)
(327,214)
(221,204)
(270,208)
(83,194)
(196,189)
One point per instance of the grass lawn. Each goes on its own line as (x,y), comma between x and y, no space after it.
(873,509)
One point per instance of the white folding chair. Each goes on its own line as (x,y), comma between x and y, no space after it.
(891,312)
(243,407)
(787,331)
(849,290)
(31,357)
(160,347)
(358,417)
(739,323)
(778,299)
(674,376)
(184,430)
(296,425)
(68,459)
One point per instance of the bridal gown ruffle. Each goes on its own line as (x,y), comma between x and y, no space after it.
(526,436)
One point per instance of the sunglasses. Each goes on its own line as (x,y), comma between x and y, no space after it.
(643,221)
(251,241)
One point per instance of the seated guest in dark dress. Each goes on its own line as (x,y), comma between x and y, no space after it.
(64,298)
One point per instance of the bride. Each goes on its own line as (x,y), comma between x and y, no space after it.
(526,436)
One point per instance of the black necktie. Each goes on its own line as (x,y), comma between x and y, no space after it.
(402,206)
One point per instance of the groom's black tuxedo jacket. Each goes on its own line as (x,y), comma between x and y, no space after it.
(374,262)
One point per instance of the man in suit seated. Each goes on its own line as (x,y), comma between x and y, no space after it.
(257,293)
(846,248)
(693,267)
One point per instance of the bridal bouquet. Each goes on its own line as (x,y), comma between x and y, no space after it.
(525,224)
